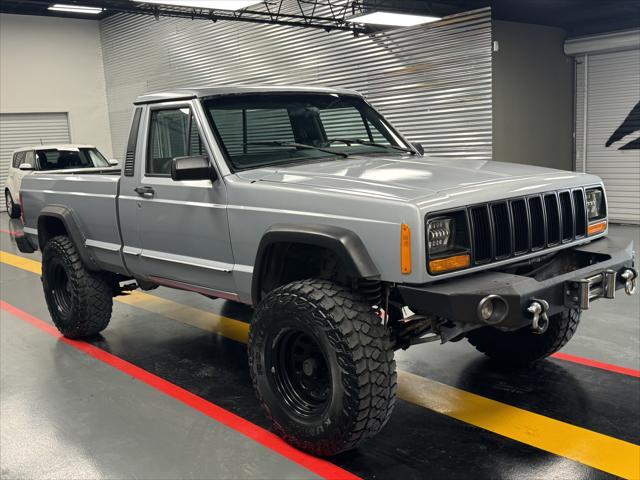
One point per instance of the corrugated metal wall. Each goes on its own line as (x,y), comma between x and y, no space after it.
(25,129)
(432,81)
(612,89)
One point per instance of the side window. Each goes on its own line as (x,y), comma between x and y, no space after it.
(172,133)
(30,158)
(18,159)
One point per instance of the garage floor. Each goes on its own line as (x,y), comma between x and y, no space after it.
(165,393)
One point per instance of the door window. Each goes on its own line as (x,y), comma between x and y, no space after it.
(172,133)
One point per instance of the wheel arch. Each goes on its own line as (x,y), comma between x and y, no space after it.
(345,245)
(57,220)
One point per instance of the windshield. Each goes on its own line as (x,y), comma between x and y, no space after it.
(54,159)
(257,130)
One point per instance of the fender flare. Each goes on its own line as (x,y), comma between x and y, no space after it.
(71,225)
(345,244)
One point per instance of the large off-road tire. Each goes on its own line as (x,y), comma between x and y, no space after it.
(523,347)
(322,366)
(79,301)
(12,208)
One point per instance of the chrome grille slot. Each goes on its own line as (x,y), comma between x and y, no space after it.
(520,226)
(566,208)
(553,219)
(502,229)
(481,226)
(537,223)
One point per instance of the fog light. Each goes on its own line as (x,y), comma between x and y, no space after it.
(486,310)
(492,309)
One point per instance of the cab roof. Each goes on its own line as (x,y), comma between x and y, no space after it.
(53,146)
(202,92)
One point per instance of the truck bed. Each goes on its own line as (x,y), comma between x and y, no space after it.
(90,195)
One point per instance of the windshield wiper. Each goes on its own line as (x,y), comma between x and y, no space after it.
(304,146)
(349,141)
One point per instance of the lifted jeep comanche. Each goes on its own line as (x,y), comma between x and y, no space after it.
(309,205)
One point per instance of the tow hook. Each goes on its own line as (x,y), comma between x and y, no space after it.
(538,309)
(630,277)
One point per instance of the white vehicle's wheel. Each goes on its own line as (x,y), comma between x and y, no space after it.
(12,209)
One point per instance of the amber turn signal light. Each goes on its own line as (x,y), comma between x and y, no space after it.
(450,263)
(405,248)
(596,228)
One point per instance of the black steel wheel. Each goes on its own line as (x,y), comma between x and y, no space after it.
(301,374)
(12,209)
(79,301)
(322,366)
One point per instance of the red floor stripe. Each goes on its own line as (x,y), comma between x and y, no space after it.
(11,232)
(318,466)
(596,364)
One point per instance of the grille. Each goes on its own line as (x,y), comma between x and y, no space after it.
(518,226)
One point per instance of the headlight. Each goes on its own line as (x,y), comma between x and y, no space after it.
(448,246)
(440,234)
(595,204)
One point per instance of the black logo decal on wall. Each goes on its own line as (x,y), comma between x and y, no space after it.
(630,125)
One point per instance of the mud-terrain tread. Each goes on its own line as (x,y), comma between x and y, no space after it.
(364,351)
(524,347)
(92,293)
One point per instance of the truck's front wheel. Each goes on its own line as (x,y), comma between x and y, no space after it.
(79,301)
(523,346)
(322,366)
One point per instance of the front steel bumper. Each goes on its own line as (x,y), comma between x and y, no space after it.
(597,271)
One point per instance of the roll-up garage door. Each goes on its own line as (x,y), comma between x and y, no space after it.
(608,125)
(27,129)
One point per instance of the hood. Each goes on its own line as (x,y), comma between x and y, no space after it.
(407,178)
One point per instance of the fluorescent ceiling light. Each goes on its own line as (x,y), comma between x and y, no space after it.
(209,4)
(395,19)
(63,7)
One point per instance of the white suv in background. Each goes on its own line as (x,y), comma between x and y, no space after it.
(47,157)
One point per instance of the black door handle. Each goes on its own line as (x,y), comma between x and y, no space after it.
(145,191)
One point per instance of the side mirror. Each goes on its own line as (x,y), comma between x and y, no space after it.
(192,168)
(418,147)
(25,167)
(113,162)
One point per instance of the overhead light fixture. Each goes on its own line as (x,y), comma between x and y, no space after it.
(208,4)
(393,19)
(63,7)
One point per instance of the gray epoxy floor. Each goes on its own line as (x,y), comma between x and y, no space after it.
(66,415)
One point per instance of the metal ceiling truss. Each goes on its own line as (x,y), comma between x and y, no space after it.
(321,14)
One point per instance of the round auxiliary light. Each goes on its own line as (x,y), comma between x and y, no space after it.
(492,309)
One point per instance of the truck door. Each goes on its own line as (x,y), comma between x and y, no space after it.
(182,226)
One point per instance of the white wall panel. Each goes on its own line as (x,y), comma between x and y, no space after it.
(432,81)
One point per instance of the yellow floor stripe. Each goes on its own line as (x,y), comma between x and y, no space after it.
(212,322)
(580,444)
(20,262)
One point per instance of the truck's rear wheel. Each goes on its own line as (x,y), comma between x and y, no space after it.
(12,209)
(322,366)
(79,301)
(522,347)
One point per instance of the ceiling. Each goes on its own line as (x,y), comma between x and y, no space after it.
(576,17)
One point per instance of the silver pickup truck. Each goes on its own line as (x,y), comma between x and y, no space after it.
(349,242)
